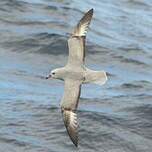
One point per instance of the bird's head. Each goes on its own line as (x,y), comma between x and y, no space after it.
(55,74)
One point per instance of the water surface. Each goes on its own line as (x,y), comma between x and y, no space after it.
(113,118)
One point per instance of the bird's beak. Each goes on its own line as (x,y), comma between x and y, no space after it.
(49,76)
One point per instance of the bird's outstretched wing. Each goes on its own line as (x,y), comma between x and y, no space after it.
(76,42)
(82,26)
(69,105)
(71,124)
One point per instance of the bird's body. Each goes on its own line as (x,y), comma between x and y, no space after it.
(74,74)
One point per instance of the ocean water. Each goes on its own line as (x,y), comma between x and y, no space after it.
(116,117)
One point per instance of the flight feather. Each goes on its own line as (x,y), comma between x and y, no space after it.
(71,124)
(82,26)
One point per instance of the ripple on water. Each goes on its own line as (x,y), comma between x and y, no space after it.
(112,118)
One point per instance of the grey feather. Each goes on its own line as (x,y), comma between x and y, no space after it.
(71,124)
(82,26)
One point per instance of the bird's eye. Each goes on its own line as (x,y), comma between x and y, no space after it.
(53,73)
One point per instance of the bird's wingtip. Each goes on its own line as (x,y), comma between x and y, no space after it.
(91,10)
(83,24)
(71,124)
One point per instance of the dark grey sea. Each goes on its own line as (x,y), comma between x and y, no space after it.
(116,117)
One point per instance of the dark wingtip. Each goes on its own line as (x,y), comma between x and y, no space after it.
(82,26)
(91,11)
(71,128)
(76,144)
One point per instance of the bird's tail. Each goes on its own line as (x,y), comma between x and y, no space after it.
(97,77)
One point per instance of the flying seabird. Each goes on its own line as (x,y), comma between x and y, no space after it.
(74,74)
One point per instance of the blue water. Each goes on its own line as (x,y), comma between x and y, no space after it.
(113,118)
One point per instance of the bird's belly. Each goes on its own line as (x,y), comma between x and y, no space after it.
(75,75)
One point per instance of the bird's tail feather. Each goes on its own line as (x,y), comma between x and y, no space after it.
(96,77)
